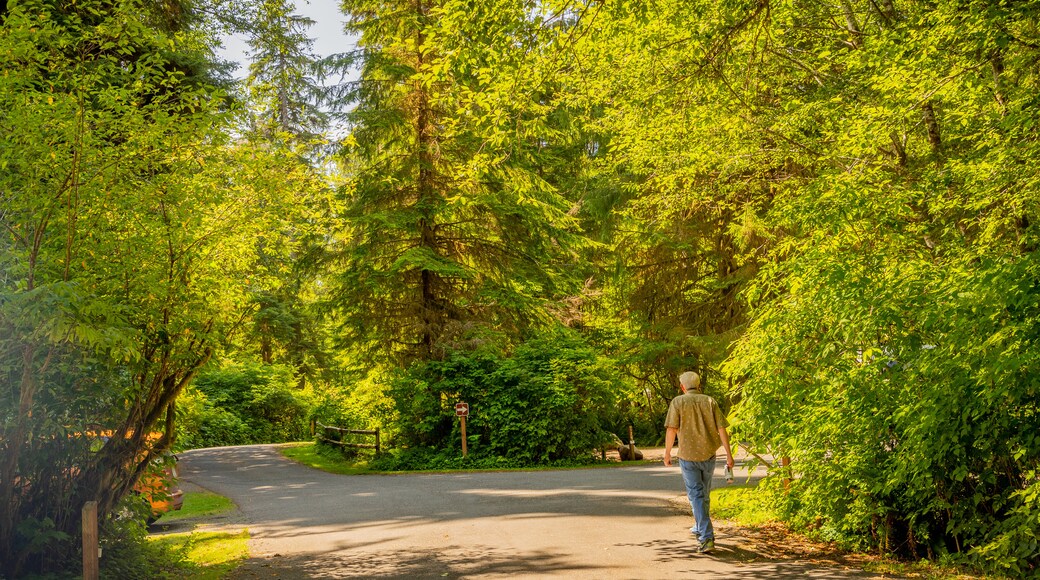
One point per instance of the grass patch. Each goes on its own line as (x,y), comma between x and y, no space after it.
(926,570)
(325,459)
(743,505)
(205,555)
(197,505)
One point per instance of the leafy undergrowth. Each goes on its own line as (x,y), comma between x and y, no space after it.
(745,512)
(200,554)
(332,460)
(746,515)
(774,541)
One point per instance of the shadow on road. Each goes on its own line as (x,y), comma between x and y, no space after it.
(449,562)
(565,524)
(464,563)
(748,562)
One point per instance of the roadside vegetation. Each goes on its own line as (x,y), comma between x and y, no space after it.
(208,555)
(751,513)
(547,210)
(332,459)
(197,554)
(129,550)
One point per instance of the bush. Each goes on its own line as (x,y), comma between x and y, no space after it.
(127,553)
(244,404)
(912,427)
(429,459)
(549,400)
(361,405)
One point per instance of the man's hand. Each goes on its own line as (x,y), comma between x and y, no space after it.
(724,436)
(667,459)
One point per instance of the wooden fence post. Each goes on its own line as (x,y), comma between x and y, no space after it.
(340,438)
(631,444)
(90,541)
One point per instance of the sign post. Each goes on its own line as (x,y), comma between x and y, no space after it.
(462,410)
(90,541)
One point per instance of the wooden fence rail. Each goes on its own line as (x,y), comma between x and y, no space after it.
(325,430)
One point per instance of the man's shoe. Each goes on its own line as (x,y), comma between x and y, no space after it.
(706,547)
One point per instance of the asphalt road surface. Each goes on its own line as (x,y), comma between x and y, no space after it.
(587,523)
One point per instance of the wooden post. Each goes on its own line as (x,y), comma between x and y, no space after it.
(631,445)
(377,440)
(90,541)
(463,420)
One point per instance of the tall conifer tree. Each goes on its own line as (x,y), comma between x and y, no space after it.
(449,226)
(284,84)
(285,93)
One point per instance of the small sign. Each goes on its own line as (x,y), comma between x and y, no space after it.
(462,409)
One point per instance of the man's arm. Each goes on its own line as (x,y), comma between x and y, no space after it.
(669,441)
(725,443)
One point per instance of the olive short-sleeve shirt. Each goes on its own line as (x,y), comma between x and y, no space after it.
(698,418)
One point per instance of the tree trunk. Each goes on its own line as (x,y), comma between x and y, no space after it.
(426,191)
(932,126)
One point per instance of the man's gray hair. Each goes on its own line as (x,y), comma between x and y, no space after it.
(690,380)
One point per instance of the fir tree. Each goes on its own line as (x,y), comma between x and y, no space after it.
(448,226)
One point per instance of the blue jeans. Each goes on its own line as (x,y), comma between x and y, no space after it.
(697,477)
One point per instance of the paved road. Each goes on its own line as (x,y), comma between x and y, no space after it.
(589,523)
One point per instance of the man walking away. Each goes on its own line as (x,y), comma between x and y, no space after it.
(701,427)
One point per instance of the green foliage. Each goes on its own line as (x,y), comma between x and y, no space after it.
(360,405)
(110,205)
(126,553)
(130,220)
(839,199)
(846,190)
(284,80)
(547,400)
(429,459)
(201,424)
(242,404)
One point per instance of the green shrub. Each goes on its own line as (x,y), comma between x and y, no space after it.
(241,404)
(358,405)
(429,459)
(126,552)
(913,427)
(549,400)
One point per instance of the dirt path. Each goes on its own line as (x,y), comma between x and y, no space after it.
(588,523)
